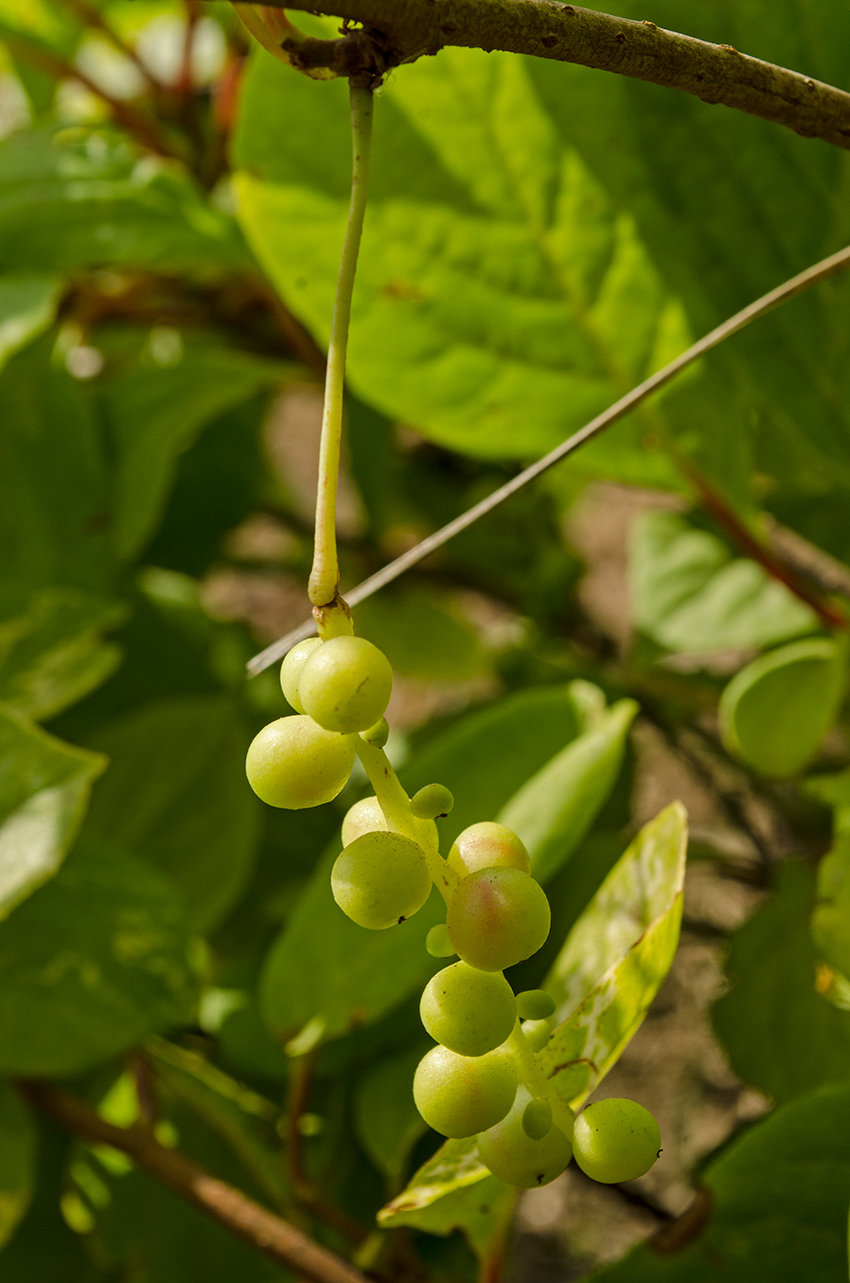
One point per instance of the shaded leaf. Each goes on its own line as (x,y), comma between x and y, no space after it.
(387,1120)
(554,810)
(831,914)
(175,794)
(44,788)
(690,596)
(421,635)
(780,1035)
(780,1214)
(483,1212)
(17,1160)
(775,712)
(27,307)
(52,650)
(93,961)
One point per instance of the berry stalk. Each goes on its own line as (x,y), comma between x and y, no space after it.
(324,577)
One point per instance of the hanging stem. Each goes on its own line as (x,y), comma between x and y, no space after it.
(324,577)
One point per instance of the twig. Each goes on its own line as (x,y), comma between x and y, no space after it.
(92,17)
(715,73)
(796,285)
(232,1209)
(796,552)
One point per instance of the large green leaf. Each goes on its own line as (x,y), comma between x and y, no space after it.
(603,981)
(93,961)
(54,501)
(689,595)
(780,1204)
(553,811)
(44,788)
(175,794)
(17,1160)
(501,300)
(81,197)
(483,1210)
(387,1120)
(156,412)
(52,650)
(775,712)
(779,1034)
(348,976)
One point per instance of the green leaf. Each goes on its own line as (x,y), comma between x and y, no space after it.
(27,307)
(554,810)
(93,961)
(483,1212)
(831,914)
(44,788)
(421,635)
(387,1120)
(349,976)
(54,505)
(690,596)
(81,197)
(157,412)
(780,1204)
(52,651)
(501,300)
(775,712)
(603,981)
(176,795)
(616,957)
(780,1035)
(17,1160)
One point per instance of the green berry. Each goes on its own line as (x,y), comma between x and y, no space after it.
(537,1119)
(378,734)
(431,801)
(498,917)
(366,816)
(518,1158)
(616,1140)
(487,845)
(290,670)
(437,942)
(294,763)
(345,684)
(538,1033)
(461,1095)
(469,1011)
(535,1004)
(380,879)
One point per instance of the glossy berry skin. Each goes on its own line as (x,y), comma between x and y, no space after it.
(345,684)
(535,1004)
(290,670)
(497,917)
(431,801)
(294,763)
(366,816)
(519,1159)
(437,942)
(462,1095)
(380,879)
(616,1140)
(537,1119)
(469,1011)
(487,845)
(538,1033)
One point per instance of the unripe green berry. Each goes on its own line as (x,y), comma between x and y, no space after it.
(537,1119)
(487,845)
(380,879)
(538,1033)
(497,917)
(616,1140)
(535,1004)
(377,735)
(294,763)
(431,801)
(437,942)
(469,1011)
(345,684)
(366,816)
(519,1159)
(461,1095)
(290,670)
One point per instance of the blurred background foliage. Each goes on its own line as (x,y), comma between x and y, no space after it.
(540,237)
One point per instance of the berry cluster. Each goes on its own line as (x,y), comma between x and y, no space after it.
(482,1077)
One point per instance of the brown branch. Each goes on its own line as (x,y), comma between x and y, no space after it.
(403,30)
(232,1209)
(90,16)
